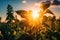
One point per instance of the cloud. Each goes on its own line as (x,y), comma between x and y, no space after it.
(24,1)
(53,2)
(56,2)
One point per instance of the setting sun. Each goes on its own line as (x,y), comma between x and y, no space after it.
(35,14)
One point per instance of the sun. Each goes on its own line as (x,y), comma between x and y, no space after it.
(35,14)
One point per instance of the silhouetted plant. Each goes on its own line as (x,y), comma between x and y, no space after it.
(26,37)
(10,16)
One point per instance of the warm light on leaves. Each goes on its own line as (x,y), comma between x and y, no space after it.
(33,18)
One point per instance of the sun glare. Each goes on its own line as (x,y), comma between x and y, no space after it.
(33,18)
(35,14)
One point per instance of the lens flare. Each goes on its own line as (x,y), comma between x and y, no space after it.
(35,14)
(33,18)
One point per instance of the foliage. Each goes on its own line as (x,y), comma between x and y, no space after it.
(18,30)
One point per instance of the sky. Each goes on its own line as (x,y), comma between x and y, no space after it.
(28,5)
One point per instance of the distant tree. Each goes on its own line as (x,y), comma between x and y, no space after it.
(0,19)
(10,16)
